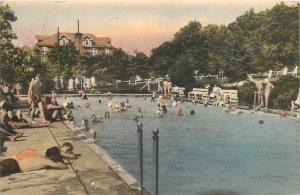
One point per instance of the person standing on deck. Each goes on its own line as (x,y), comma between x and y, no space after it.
(268,87)
(35,96)
(165,86)
(169,86)
(260,93)
(62,83)
(77,83)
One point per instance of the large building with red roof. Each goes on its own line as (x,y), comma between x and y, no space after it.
(85,43)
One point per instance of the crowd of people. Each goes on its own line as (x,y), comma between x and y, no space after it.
(74,84)
(48,110)
(12,123)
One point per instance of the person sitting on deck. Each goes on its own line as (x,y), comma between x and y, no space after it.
(6,93)
(4,137)
(17,89)
(6,127)
(16,121)
(4,105)
(53,112)
(296,103)
(18,117)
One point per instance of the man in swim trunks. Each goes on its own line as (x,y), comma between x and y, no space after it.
(30,161)
(35,96)
(65,151)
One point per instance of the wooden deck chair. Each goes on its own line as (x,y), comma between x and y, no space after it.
(234,96)
(294,72)
(285,71)
(296,103)
(270,74)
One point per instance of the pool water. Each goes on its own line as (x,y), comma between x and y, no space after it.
(211,151)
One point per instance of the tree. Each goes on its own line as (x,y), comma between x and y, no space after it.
(118,64)
(215,43)
(140,65)
(68,58)
(181,72)
(6,36)
(162,57)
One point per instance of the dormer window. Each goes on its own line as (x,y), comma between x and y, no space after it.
(45,50)
(63,41)
(106,50)
(87,42)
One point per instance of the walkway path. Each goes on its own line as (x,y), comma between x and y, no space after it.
(88,174)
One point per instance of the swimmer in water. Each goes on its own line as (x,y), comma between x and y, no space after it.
(179,111)
(283,114)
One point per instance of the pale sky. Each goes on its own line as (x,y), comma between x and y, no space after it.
(132,24)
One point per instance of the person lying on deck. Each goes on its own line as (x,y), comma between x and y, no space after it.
(16,121)
(65,151)
(32,161)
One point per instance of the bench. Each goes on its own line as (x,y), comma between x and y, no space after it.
(178,91)
(198,93)
(231,95)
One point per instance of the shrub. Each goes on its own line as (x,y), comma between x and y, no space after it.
(283,101)
(285,91)
(246,93)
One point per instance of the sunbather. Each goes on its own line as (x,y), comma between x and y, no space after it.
(31,162)
(16,121)
(65,151)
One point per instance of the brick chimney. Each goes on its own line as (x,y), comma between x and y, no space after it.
(78,39)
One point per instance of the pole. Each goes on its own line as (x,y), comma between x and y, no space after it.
(222,76)
(58,65)
(155,159)
(140,154)
(148,85)
(254,104)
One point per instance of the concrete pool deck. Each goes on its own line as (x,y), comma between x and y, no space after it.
(89,174)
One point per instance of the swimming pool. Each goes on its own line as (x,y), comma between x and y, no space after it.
(211,151)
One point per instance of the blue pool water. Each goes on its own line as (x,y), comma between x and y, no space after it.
(211,151)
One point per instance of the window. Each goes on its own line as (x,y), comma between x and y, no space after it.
(94,51)
(106,51)
(87,42)
(45,50)
(63,41)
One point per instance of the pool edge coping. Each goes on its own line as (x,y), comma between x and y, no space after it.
(112,163)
